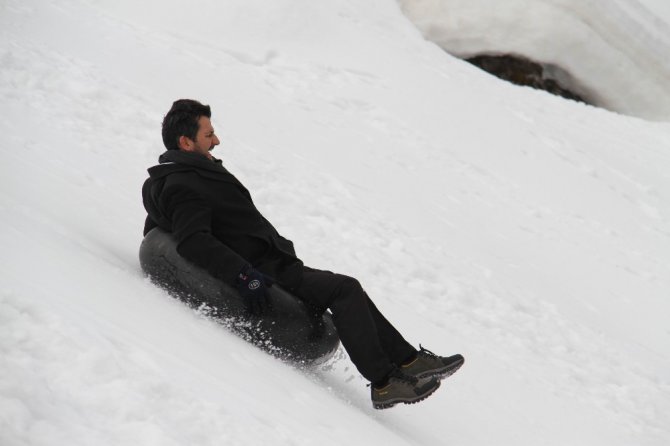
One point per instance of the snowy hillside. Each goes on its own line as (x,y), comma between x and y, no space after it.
(613,52)
(529,233)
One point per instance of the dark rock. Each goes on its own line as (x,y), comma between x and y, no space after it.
(522,71)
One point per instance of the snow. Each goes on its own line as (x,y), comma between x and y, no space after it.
(615,52)
(527,232)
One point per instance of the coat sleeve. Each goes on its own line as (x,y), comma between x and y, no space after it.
(191,219)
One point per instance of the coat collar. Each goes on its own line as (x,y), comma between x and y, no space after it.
(179,161)
(192,159)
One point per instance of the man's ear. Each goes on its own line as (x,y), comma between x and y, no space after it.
(185,143)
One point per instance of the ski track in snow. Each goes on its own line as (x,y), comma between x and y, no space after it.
(527,232)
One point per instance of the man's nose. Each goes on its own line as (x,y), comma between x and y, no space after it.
(216,140)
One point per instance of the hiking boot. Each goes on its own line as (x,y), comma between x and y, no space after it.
(402,388)
(428,364)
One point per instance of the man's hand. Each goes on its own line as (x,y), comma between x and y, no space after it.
(253,286)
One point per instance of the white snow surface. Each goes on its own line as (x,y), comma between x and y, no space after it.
(616,52)
(527,232)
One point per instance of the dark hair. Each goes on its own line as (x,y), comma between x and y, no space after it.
(182,120)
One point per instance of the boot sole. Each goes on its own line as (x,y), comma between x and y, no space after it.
(389,404)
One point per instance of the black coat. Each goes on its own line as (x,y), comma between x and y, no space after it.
(214,221)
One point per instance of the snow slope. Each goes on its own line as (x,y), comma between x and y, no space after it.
(527,232)
(615,51)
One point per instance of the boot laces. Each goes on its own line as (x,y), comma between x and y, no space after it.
(427,352)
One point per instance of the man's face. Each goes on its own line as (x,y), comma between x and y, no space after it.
(205,139)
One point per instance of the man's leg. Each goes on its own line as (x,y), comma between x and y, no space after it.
(372,343)
(393,343)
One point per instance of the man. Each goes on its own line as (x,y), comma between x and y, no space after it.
(217,227)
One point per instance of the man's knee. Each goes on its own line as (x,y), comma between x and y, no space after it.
(349,285)
(348,293)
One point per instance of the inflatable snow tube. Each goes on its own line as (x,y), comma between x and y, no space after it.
(288,330)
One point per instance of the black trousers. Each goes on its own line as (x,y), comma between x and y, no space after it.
(373,344)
